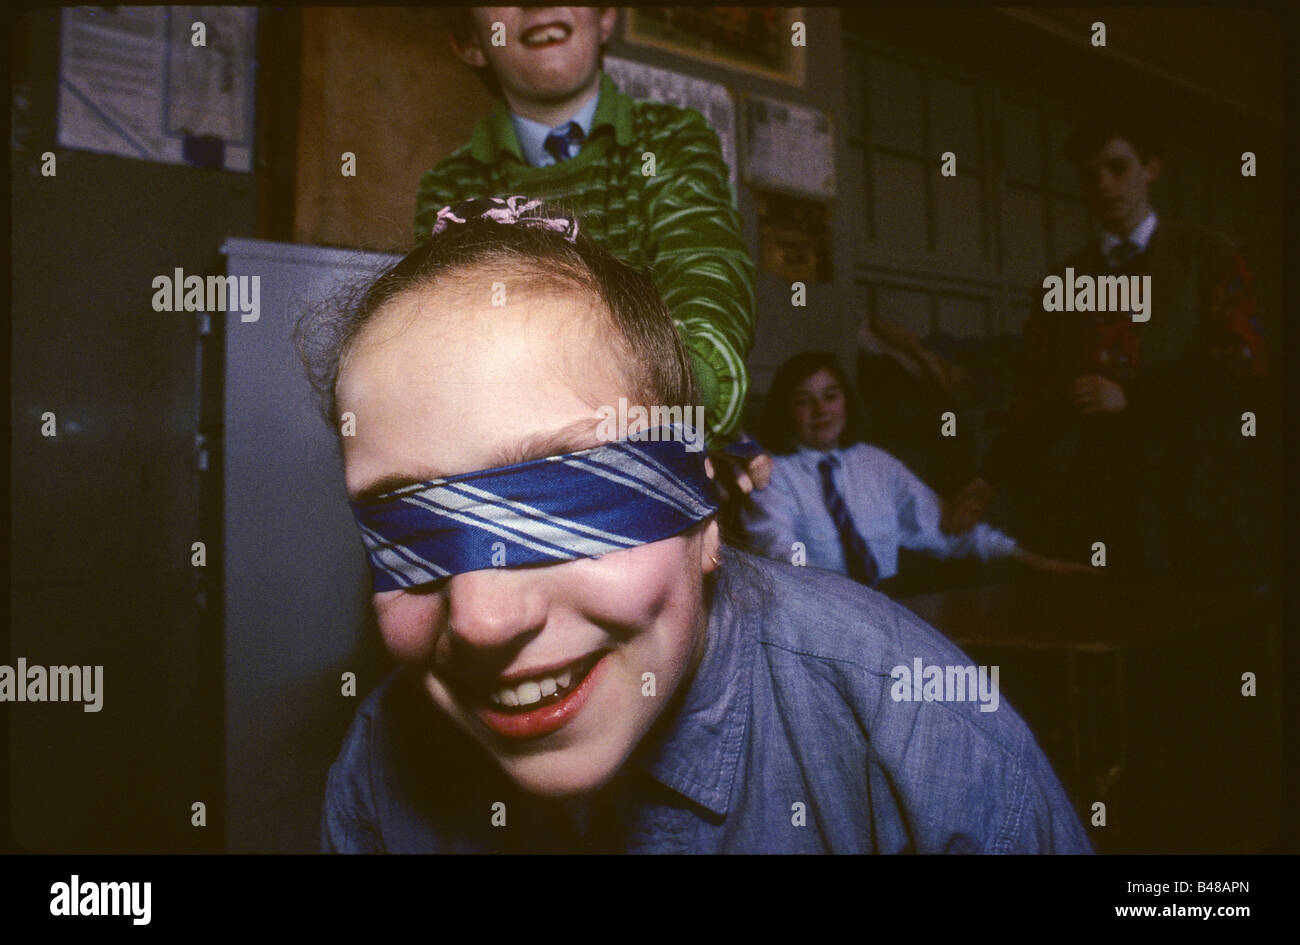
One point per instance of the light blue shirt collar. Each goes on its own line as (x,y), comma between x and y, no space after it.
(812,457)
(532,134)
(1140,236)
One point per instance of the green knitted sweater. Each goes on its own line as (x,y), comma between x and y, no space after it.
(678,224)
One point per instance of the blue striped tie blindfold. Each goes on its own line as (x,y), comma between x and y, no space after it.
(577,505)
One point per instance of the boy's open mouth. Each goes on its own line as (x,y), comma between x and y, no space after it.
(546,34)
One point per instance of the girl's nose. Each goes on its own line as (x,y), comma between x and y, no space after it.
(493,607)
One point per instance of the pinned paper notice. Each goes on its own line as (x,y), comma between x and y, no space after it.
(149,82)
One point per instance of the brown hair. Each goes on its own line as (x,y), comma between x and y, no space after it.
(1101,123)
(657,365)
(776,429)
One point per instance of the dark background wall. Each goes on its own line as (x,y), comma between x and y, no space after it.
(833,308)
(104,514)
(1004,87)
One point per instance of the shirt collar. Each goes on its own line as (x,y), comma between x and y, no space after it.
(1140,236)
(812,458)
(699,754)
(532,134)
(495,135)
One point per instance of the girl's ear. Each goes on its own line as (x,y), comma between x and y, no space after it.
(710,547)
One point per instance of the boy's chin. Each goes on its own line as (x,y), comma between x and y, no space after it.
(559,80)
(555,92)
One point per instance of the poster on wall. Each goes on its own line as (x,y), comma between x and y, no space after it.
(789,147)
(758,40)
(794,237)
(710,99)
(170,84)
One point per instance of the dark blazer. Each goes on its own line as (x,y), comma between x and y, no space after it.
(1170,481)
(1185,262)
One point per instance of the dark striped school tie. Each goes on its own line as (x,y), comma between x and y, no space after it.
(1121,254)
(859,561)
(564,142)
(1124,259)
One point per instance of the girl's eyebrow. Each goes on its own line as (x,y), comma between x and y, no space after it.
(570,438)
(390,483)
(829,388)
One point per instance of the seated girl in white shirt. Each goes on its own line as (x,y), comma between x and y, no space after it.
(850,508)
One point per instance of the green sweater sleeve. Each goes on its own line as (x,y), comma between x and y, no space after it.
(701,265)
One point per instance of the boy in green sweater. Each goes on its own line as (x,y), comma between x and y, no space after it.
(647,180)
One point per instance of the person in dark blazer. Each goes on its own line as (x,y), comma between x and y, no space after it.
(1126,431)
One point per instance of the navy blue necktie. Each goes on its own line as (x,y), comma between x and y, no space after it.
(1121,254)
(1124,258)
(859,561)
(564,142)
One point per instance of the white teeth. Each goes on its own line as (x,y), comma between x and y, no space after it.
(550,34)
(534,690)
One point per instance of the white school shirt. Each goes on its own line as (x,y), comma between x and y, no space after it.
(890,507)
(1140,236)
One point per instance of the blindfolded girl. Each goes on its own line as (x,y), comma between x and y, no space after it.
(584,665)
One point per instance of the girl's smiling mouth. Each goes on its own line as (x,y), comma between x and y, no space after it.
(538,704)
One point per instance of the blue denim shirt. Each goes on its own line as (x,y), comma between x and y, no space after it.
(788,739)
